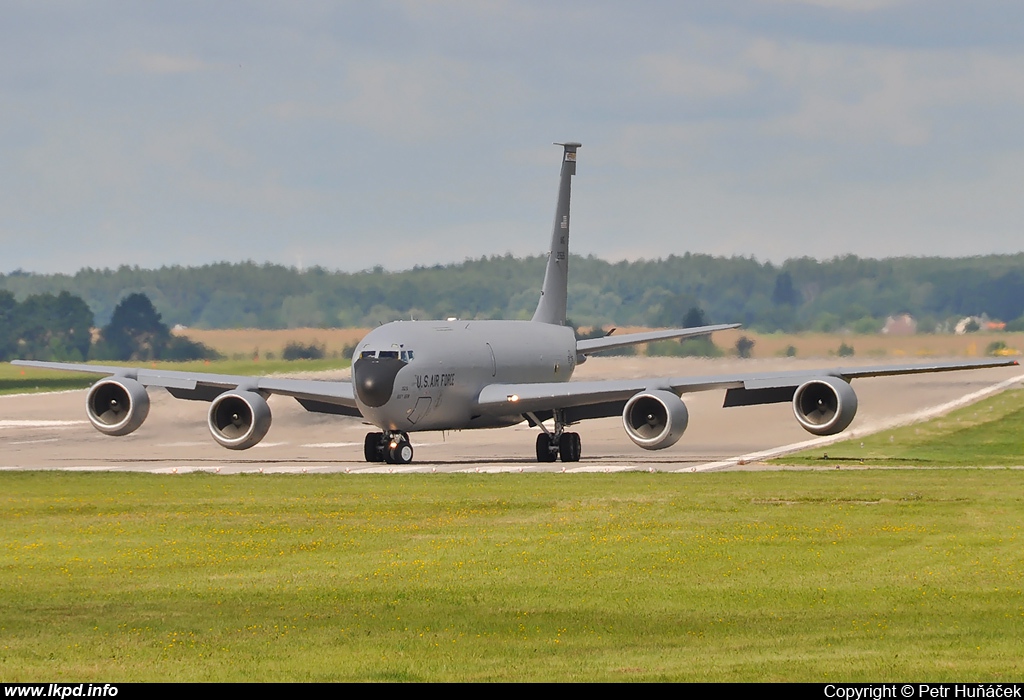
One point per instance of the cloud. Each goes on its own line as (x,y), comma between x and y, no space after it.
(408,100)
(731,126)
(845,5)
(669,74)
(164,64)
(858,94)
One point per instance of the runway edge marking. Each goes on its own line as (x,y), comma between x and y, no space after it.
(869,429)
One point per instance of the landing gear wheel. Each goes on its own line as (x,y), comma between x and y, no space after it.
(399,452)
(570,447)
(372,451)
(545,450)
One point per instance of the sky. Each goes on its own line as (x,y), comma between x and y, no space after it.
(355,134)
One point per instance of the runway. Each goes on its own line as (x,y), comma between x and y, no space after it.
(50,431)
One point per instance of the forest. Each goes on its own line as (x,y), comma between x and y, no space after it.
(59,327)
(803,294)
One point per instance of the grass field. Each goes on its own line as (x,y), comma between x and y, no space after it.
(798,576)
(21,380)
(988,433)
(257,341)
(14,379)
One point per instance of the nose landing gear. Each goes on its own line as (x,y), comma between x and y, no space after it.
(393,448)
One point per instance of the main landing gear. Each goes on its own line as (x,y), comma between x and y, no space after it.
(393,448)
(557,444)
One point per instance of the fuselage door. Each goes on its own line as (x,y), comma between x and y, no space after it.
(494,364)
(420,409)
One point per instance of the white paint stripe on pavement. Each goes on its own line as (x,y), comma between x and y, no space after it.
(41,423)
(394,469)
(332,445)
(41,393)
(869,429)
(603,469)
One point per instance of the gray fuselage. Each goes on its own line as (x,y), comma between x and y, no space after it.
(426,375)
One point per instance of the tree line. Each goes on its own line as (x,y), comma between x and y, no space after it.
(59,327)
(801,294)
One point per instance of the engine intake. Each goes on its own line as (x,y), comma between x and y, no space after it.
(824,406)
(117,405)
(239,419)
(655,420)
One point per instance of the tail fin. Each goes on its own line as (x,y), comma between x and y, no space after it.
(553,295)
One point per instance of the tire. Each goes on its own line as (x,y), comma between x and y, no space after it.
(570,447)
(544,451)
(401,453)
(371,447)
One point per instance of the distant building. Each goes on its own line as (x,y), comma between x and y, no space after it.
(969,324)
(966,323)
(903,324)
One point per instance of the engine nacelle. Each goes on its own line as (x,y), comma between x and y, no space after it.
(825,406)
(655,420)
(117,405)
(239,419)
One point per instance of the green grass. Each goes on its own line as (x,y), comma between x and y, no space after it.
(16,380)
(798,576)
(988,433)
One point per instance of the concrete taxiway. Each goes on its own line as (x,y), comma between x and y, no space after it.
(50,431)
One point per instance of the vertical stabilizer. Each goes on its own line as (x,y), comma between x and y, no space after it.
(553,295)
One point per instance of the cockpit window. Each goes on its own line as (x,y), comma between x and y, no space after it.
(404,355)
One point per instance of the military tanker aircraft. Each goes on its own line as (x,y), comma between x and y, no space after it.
(414,376)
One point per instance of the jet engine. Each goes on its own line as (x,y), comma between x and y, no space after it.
(825,406)
(655,420)
(117,405)
(239,419)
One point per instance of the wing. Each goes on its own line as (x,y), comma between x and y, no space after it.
(597,399)
(314,395)
(592,345)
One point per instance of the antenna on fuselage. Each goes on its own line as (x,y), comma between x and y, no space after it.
(554,293)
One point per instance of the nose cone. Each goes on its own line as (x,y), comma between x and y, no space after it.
(374,379)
